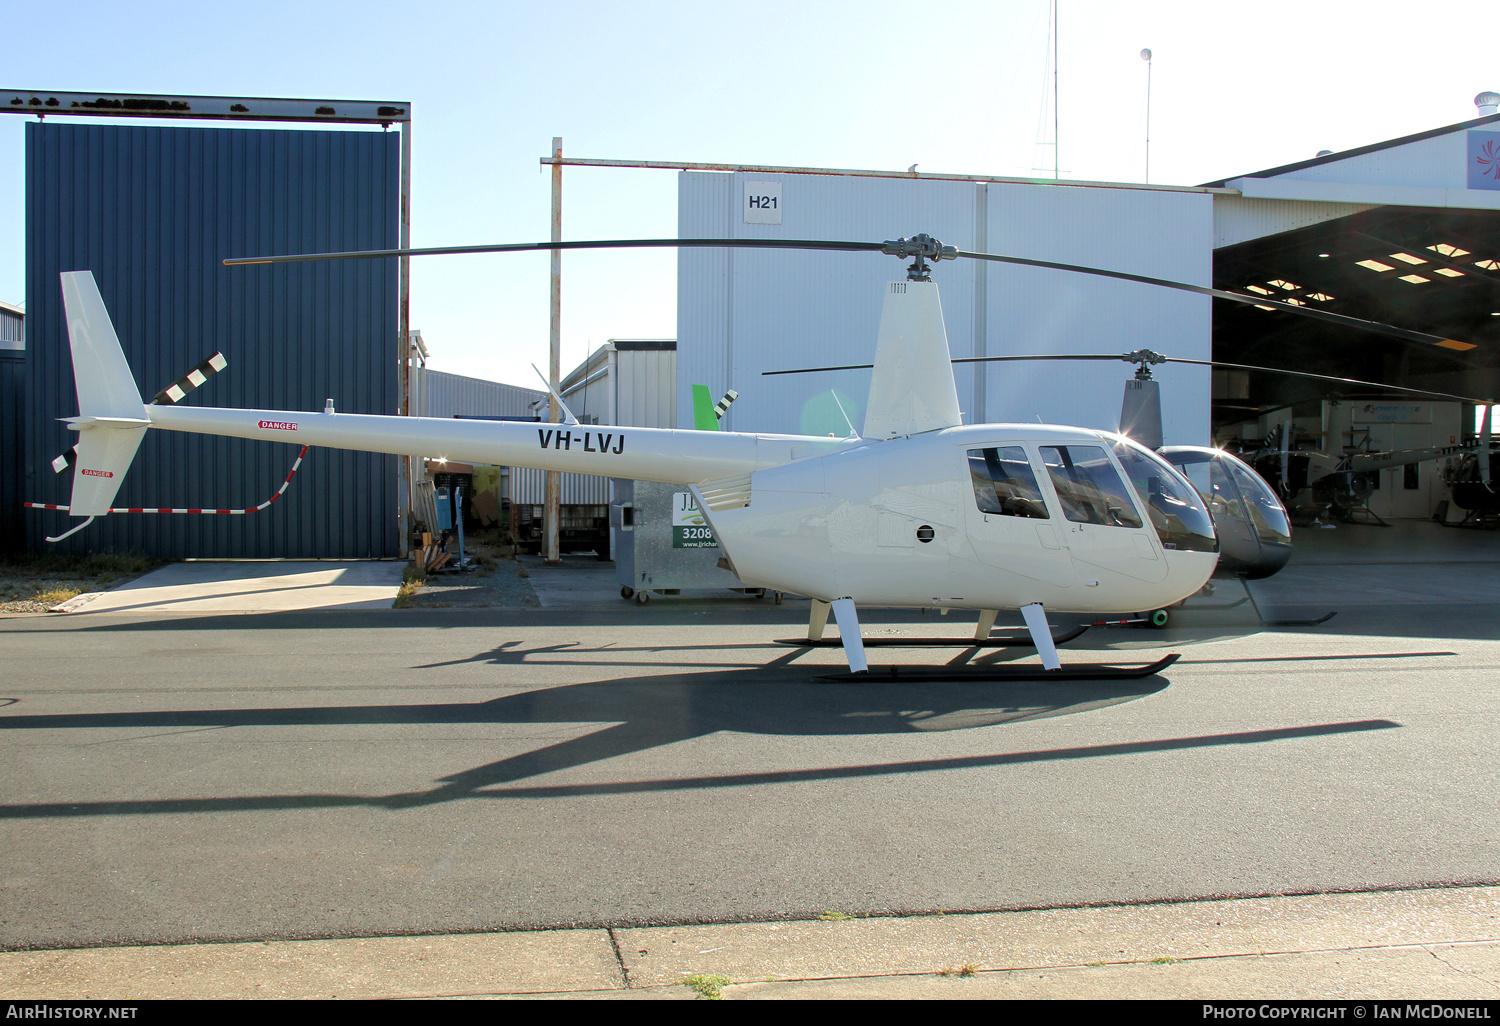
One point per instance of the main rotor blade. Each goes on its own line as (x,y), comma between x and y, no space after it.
(1133,358)
(1329,377)
(921,246)
(962,359)
(1236,297)
(523,247)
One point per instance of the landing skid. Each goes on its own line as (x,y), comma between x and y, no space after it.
(1018,641)
(1474,520)
(982,674)
(1282,623)
(1352,515)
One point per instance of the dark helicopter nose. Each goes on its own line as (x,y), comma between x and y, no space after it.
(1255,536)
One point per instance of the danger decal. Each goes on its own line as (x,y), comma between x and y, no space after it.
(588,441)
(96,473)
(278,425)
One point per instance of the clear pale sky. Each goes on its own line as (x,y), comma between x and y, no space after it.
(961,87)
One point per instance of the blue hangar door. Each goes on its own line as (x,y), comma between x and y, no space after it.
(153,212)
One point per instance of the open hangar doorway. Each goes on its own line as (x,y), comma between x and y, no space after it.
(1427,269)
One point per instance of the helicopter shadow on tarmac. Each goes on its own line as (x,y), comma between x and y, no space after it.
(650,711)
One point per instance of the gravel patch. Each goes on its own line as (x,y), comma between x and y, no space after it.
(28,591)
(495,584)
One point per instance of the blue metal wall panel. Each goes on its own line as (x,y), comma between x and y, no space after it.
(12,427)
(152,212)
(12,443)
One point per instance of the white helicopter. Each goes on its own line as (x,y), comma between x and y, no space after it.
(919,510)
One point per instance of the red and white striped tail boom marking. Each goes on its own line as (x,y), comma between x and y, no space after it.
(232,512)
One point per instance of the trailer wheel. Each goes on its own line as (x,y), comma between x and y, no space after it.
(778,596)
(626,592)
(1159,618)
(642,597)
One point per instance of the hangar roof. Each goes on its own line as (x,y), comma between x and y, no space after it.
(1358,151)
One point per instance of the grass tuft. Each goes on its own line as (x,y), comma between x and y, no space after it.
(57,596)
(412,580)
(963,969)
(709,986)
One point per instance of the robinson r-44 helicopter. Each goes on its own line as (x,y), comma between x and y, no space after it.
(918,510)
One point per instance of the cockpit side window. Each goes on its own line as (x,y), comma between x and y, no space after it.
(1004,483)
(1088,486)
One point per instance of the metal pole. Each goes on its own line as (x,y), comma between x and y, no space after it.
(403,365)
(1146,56)
(552,496)
(1056,159)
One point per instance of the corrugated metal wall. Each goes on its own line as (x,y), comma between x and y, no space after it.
(527,485)
(1440,160)
(152,212)
(744,312)
(440,394)
(12,426)
(12,328)
(645,383)
(588,389)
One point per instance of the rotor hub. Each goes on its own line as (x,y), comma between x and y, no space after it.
(1143,359)
(924,248)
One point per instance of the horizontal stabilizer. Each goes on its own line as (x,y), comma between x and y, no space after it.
(111,417)
(104,454)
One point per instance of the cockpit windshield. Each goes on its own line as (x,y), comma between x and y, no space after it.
(1227,482)
(1176,510)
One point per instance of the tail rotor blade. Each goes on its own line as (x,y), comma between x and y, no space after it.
(173,393)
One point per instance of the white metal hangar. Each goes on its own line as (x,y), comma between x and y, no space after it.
(1404,232)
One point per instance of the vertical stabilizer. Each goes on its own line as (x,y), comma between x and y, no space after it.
(911,389)
(111,418)
(1140,412)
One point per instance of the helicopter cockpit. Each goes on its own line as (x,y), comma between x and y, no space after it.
(1255,537)
(1177,513)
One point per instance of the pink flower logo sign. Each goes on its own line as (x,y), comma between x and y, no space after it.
(1484,160)
(1489,159)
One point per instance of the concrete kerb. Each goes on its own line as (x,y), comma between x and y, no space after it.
(1441,943)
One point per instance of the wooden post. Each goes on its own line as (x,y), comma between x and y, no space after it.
(552,510)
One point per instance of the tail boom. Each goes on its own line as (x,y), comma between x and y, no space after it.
(643,454)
